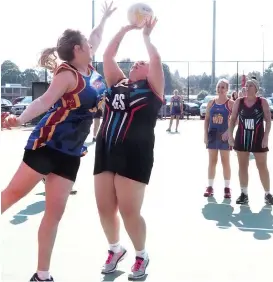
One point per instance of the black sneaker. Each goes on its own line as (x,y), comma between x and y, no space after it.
(268,199)
(35,277)
(242,200)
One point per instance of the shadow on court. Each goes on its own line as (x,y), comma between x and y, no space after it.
(33,209)
(113,276)
(260,224)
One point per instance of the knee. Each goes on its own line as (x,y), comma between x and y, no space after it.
(213,161)
(128,212)
(262,167)
(107,210)
(54,214)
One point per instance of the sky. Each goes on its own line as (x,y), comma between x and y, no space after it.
(183,31)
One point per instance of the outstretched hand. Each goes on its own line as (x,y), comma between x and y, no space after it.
(108,10)
(9,121)
(149,26)
(3,116)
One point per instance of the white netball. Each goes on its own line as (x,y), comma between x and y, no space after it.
(139,13)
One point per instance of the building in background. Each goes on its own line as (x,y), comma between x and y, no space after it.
(12,91)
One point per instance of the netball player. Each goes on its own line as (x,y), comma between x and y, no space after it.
(176,109)
(55,145)
(251,136)
(216,136)
(124,148)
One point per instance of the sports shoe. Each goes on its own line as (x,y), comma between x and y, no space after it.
(227,193)
(112,261)
(242,200)
(35,277)
(209,192)
(138,270)
(268,199)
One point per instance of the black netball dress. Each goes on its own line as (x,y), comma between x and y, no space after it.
(126,138)
(250,132)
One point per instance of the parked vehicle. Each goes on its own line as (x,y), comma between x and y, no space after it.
(191,109)
(6,105)
(18,108)
(203,107)
(17,100)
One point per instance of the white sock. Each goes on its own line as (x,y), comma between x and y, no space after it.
(244,190)
(267,192)
(211,181)
(43,275)
(116,248)
(142,254)
(227,183)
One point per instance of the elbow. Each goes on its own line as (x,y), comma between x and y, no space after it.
(155,57)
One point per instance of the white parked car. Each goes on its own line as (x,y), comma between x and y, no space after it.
(203,107)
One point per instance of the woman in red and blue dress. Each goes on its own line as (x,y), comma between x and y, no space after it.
(56,144)
(216,136)
(176,109)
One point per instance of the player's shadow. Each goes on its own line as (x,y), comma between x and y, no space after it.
(260,224)
(112,276)
(23,215)
(221,213)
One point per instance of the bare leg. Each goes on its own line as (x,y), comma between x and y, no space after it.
(57,193)
(21,184)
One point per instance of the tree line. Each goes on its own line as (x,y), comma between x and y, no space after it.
(192,85)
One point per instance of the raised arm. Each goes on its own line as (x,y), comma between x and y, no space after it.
(112,72)
(96,34)
(156,74)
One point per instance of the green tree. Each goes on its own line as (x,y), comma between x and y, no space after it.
(202,95)
(268,80)
(29,76)
(205,82)
(10,73)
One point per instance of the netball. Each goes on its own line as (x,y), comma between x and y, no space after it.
(139,13)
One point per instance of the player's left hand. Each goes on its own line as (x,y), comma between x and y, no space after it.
(108,10)
(149,26)
(225,136)
(265,142)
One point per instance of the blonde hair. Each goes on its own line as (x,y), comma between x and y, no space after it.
(48,59)
(222,80)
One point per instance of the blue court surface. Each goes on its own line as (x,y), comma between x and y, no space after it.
(190,239)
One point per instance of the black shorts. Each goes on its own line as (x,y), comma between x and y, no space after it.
(98,114)
(46,160)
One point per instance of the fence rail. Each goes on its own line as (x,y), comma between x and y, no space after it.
(192,77)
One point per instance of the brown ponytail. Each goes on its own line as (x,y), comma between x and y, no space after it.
(48,59)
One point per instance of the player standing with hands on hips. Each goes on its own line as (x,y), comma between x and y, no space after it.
(124,148)
(55,146)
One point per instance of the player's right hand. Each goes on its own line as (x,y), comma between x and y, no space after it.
(231,141)
(10,121)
